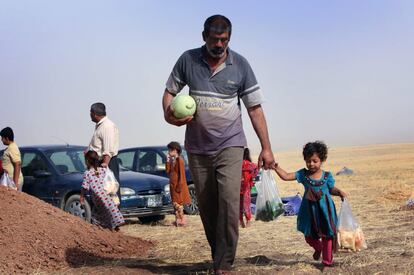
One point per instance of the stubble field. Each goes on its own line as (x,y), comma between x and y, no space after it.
(380,187)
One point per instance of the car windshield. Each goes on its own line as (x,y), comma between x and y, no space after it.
(68,161)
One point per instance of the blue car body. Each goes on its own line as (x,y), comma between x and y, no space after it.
(151,160)
(54,173)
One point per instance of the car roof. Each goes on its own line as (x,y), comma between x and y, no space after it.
(52,147)
(162,147)
(145,147)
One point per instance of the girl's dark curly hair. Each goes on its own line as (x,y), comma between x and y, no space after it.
(317,147)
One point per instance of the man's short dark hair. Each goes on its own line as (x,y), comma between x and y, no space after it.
(7,133)
(98,109)
(217,23)
(173,145)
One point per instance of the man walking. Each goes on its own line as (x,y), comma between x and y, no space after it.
(218,79)
(105,139)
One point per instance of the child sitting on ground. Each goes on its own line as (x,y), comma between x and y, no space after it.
(317,217)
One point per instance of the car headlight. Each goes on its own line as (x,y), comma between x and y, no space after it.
(167,189)
(125,191)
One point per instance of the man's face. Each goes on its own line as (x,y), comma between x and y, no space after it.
(5,141)
(93,117)
(217,43)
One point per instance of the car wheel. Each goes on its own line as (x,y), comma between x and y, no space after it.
(74,207)
(192,208)
(150,219)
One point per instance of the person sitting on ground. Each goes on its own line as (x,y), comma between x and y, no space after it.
(105,212)
(175,168)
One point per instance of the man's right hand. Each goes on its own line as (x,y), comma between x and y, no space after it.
(170,118)
(266,160)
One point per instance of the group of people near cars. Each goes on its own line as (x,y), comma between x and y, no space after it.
(219,79)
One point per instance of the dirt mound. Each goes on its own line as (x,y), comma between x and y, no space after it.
(35,236)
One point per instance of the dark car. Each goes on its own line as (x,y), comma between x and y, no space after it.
(151,160)
(54,174)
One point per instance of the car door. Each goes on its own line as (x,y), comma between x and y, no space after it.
(151,161)
(38,176)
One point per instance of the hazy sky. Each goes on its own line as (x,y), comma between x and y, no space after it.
(338,71)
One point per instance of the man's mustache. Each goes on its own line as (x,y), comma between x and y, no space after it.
(217,50)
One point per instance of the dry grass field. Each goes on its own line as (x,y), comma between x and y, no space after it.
(382,183)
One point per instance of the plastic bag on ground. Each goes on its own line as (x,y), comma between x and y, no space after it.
(7,181)
(350,234)
(111,186)
(269,205)
(292,204)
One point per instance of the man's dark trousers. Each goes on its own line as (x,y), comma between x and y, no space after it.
(217,180)
(114,166)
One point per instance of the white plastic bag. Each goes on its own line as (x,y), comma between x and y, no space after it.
(111,185)
(7,181)
(350,235)
(269,205)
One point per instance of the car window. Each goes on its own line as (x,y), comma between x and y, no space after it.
(126,159)
(68,161)
(150,161)
(32,162)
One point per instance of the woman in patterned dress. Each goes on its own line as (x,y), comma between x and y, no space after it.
(104,210)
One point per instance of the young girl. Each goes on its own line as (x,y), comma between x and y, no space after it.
(249,172)
(104,211)
(175,168)
(317,215)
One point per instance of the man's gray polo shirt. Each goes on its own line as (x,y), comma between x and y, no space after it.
(217,123)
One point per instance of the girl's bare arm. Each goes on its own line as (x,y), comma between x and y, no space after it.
(337,192)
(283,174)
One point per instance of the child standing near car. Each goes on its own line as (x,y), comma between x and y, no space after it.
(175,168)
(105,211)
(317,217)
(249,172)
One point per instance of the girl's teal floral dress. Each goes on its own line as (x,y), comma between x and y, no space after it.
(317,214)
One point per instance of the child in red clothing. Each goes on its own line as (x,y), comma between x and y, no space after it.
(1,168)
(249,172)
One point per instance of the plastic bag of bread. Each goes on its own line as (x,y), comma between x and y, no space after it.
(111,186)
(350,235)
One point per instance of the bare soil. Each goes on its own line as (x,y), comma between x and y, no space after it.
(37,237)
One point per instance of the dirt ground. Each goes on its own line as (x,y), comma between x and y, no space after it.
(36,237)
(382,183)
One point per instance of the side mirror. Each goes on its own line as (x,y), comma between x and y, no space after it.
(41,174)
(160,167)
